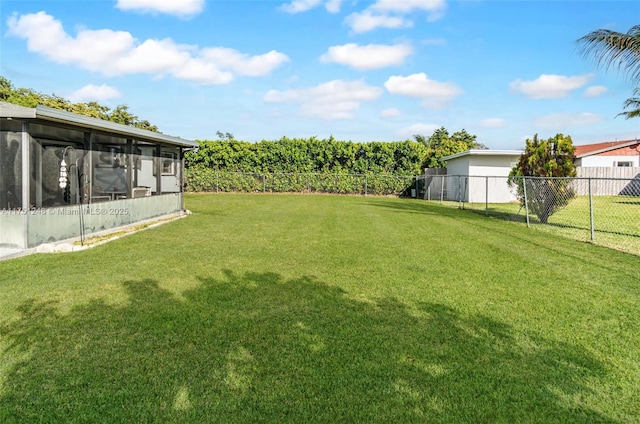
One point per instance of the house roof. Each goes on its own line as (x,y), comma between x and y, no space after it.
(8,110)
(597,148)
(483,152)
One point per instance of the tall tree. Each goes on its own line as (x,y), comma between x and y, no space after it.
(29,98)
(620,50)
(441,144)
(545,167)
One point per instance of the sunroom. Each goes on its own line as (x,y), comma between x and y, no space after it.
(65,176)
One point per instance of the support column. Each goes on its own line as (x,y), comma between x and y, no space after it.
(129,176)
(181,179)
(26,155)
(158,165)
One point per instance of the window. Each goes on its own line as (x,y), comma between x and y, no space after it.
(625,164)
(167,164)
(110,157)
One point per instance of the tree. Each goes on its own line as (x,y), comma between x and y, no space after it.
(542,167)
(225,136)
(441,144)
(29,98)
(632,103)
(621,50)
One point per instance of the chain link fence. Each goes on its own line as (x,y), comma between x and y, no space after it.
(605,211)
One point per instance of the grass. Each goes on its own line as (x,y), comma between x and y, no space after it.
(616,220)
(290,308)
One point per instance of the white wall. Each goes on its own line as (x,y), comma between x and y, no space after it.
(493,165)
(146,173)
(457,166)
(477,167)
(607,160)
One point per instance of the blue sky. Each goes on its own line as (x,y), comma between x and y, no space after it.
(358,70)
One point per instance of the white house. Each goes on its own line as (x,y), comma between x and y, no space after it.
(478,176)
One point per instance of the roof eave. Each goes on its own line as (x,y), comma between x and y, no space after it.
(608,149)
(57,115)
(482,152)
(8,110)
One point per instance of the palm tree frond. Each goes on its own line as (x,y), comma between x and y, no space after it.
(611,48)
(630,114)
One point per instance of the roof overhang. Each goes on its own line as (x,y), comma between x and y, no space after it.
(482,152)
(8,110)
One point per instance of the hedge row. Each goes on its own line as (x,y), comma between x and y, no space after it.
(304,156)
(200,178)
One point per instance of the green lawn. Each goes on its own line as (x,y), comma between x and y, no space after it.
(309,308)
(616,220)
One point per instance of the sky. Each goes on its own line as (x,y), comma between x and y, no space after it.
(378,70)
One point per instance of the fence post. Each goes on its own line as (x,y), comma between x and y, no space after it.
(442,189)
(217,182)
(365,184)
(526,202)
(591,223)
(486,196)
(264,183)
(459,191)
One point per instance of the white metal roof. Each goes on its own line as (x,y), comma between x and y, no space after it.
(483,152)
(8,110)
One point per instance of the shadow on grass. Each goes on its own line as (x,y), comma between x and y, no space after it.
(257,348)
(627,202)
(413,206)
(534,220)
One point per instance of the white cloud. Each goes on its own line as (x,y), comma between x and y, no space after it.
(366,21)
(434,94)
(181,8)
(332,100)
(119,53)
(391,14)
(595,91)
(94,93)
(493,123)
(417,129)
(333,6)
(298,6)
(390,113)
(434,8)
(371,56)
(560,121)
(434,42)
(245,64)
(549,86)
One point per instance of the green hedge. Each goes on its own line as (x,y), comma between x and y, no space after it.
(200,178)
(304,156)
(304,165)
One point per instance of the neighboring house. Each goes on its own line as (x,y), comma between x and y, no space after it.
(619,154)
(616,163)
(472,174)
(478,176)
(64,175)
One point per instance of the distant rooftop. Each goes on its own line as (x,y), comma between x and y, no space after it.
(597,148)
